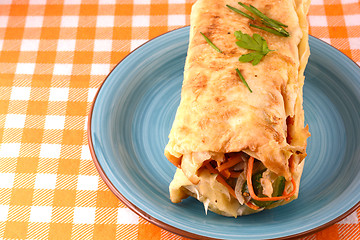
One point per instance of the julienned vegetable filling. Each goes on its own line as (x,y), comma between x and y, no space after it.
(249,181)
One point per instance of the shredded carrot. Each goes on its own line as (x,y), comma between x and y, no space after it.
(234,174)
(226,173)
(223,182)
(210,168)
(231,190)
(252,206)
(232,161)
(220,179)
(251,189)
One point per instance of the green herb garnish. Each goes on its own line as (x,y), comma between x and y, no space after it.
(243,79)
(274,26)
(270,30)
(277,28)
(256,43)
(264,17)
(211,44)
(240,12)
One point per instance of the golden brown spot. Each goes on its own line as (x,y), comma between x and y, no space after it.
(204,123)
(268,7)
(276,135)
(225,115)
(232,51)
(286,59)
(219,99)
(213,27)
(214,65)
(228,113)
(184,130)
(271,118)
(197,85)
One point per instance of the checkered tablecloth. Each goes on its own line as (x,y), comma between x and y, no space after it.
(54,55)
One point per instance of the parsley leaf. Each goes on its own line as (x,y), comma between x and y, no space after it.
(255,57)
(255,43)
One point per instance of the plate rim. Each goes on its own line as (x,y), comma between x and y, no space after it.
(157,222)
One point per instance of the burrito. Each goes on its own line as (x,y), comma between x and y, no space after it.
(238,138)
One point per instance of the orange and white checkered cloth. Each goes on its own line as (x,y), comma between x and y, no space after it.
(53,56)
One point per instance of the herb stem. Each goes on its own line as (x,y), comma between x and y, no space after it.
(243,79)
(211,44)
(240,12)
(266,18)
(275,27)
(247,8)
(270,30)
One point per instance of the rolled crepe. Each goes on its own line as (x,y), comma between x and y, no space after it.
(219,118)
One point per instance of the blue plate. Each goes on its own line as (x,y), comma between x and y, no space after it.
(132,116)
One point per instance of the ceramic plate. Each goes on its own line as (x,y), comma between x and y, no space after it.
(132,116)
